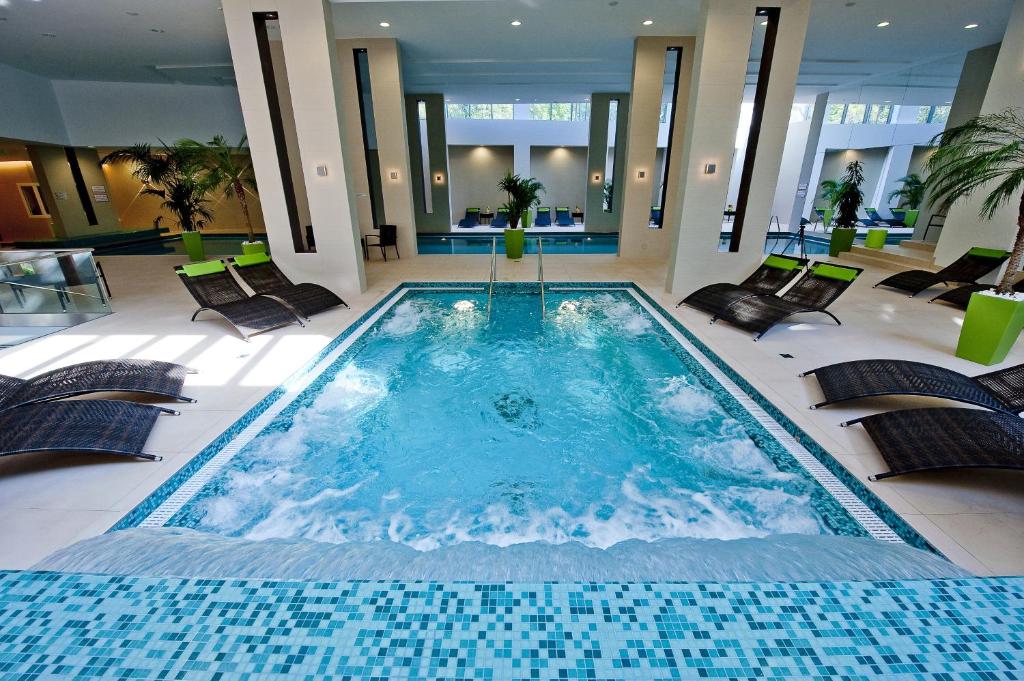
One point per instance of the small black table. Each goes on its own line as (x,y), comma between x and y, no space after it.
(577,216)
(485,218)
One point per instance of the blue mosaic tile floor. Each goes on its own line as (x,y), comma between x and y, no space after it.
(55,625)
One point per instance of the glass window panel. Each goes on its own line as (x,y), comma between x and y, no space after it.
(480,111)
(540,112)
(503,112)
(940,114)
(855,113)
(835,113)
(561,112)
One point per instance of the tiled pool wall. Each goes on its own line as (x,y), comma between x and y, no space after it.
(63,626)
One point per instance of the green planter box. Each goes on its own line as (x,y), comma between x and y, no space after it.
(842,240)
(990,329)
(251,247)
(514,239)
(194,246)
(876,238)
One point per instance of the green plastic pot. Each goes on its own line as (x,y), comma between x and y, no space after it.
(876,238)
(841,241)
(194,246)
(252,247)
(514,239)
(990,329)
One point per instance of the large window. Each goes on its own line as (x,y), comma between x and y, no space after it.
(856,114)
(35,206)
(932,114)
(481,112)
(560,111)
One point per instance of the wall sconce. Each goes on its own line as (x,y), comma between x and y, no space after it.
(641,174)
(597,178)
(710,168)
(321,171)
(394,176)
(439,178)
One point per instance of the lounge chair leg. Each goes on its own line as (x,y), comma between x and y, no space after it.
(832,316)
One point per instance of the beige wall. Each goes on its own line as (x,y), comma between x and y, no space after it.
(15,223)
(137,211)
(474,173)
(58,188)
(834,167)
(563,172)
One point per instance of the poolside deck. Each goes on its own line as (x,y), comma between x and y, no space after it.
(975,517)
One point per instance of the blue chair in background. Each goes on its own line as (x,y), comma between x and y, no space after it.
(898,216)
(655,214)
(472,218)
(563,217)
(500,218)
(543,217)
(874,219)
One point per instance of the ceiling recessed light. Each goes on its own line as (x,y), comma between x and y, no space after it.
(970,26)
(49,35)
(882,24)
(132,14)
(385,24)
(156,30)
(517,99)
(648,22)
(516,22)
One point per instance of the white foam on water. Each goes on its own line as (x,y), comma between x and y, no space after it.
(622,314)
(680,397)
(407,317)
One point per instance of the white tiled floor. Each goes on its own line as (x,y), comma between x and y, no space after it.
(47,501)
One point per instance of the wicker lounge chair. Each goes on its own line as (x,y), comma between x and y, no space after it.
(770,277)
(124,375)
(914,440)
(1001,390)
(216,290)
(101,426)
(818,288)
(961,295)
(266,278)
(966,269)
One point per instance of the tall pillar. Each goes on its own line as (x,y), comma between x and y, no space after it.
(805,196)
(307,36)
(430,134)
(717,92)
(970,96)
(964,226)
(635,186)
(896,165)
(595,216)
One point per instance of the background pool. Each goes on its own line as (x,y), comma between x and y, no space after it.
(439,427)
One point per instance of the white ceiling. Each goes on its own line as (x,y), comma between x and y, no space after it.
(564,50)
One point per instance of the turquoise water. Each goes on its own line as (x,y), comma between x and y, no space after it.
(439,427)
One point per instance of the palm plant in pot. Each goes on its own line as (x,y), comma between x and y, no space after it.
(848,200)
(986,154)
(230,171)
(830,193)
(523,194)
(175,175)
(910,197)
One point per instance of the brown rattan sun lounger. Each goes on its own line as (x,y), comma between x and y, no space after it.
(100,426)
(1001,390)
(818,288)
(770,277)
(966,269)
(913,440)
(216,290)
(120,375)
(264,277)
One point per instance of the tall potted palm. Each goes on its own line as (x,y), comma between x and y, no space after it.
(175,175)
(848,199)
(523,194)
(230,171)
(911,194)
(986,154)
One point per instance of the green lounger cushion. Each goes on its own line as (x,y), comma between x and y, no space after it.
(251,259)
(472,210)
(835,272)
(780,263)
(543,210)
(198,269)
(987,252)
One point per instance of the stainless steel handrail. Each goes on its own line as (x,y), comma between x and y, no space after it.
(53,290)
(494,274)
(35,256)
(540,273)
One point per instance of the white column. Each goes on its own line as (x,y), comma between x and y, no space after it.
(307,34)
(964,227)
(717,92)
(897,165)
(636,238)
(811,162)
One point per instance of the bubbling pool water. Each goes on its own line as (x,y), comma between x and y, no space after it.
(440,428)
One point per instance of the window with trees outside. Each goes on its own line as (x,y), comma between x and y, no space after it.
(560,111)
(481,112)
(932,114)
(856,114)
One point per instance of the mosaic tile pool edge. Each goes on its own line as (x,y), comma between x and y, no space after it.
(155,499)
(55,625)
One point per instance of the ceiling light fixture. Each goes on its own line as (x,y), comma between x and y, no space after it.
(516,22)
(882,24)
(648,22)
(48,35)
(970,26)
(385,24)
(156,30)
